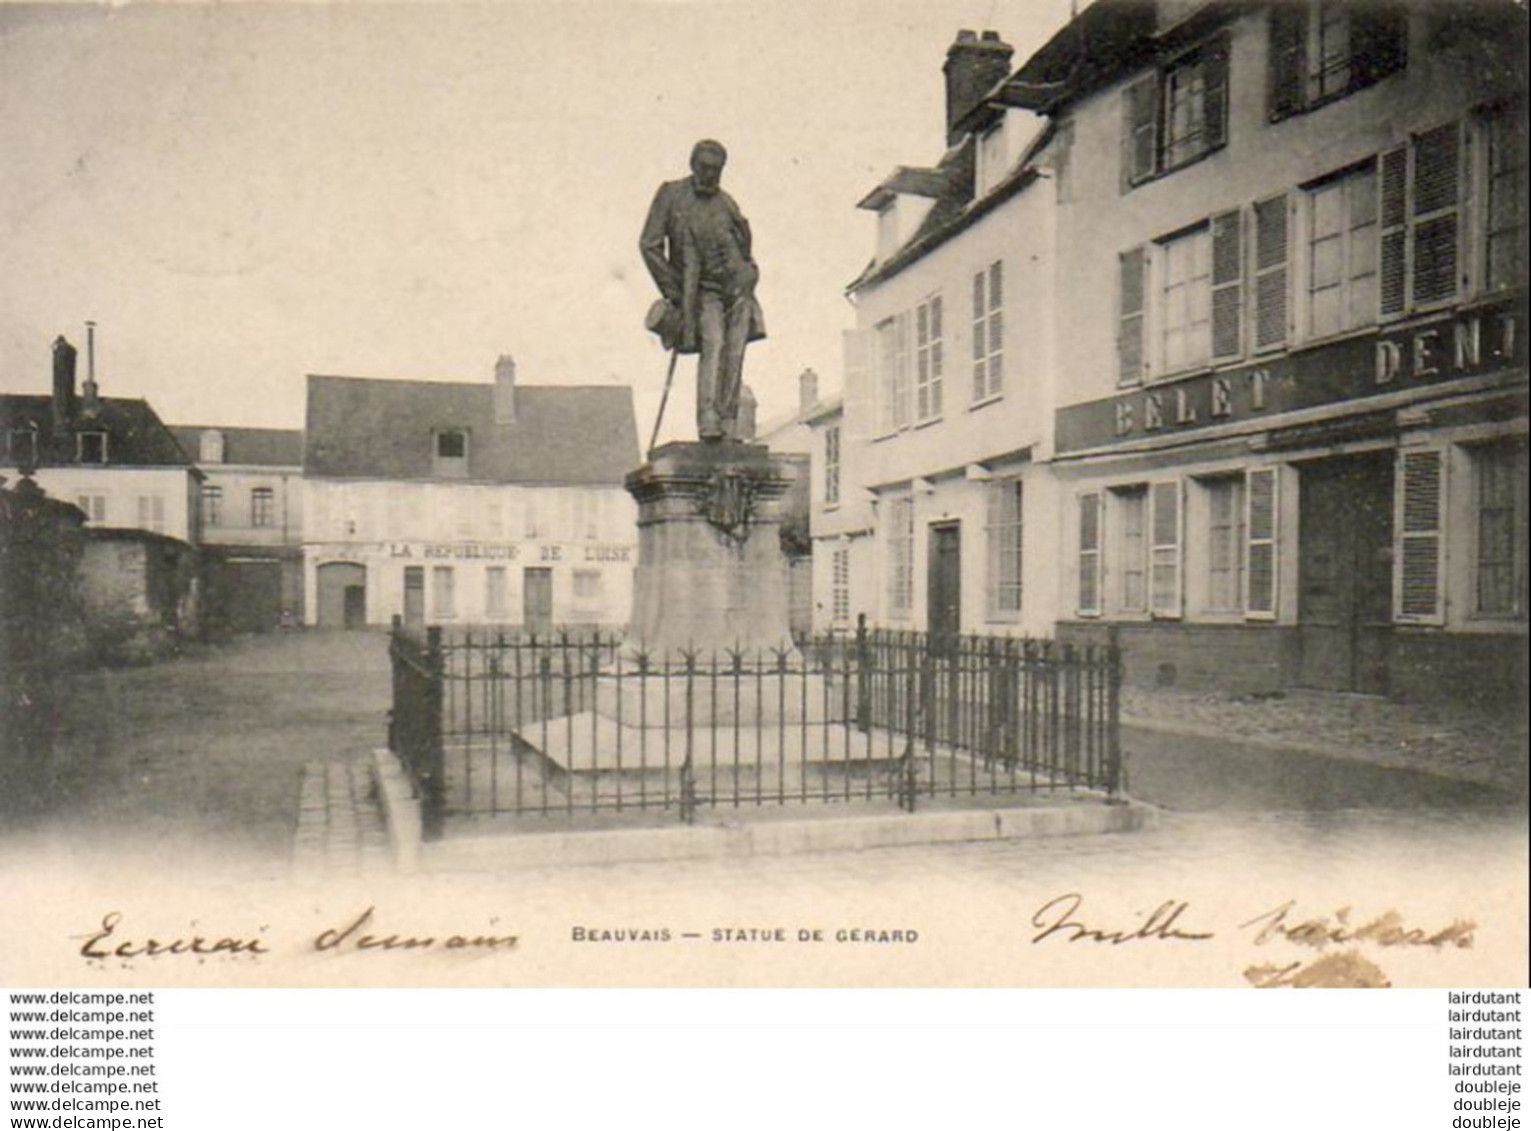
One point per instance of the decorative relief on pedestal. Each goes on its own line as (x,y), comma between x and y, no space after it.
(729,504)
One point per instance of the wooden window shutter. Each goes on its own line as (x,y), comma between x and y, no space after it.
(1260,522)
(1140,130)
(1090,538)
(1215,106)
(1417,590)
(1435,197)
(1164,551)
(1227,284)
(1378,41)
(1393,246)
(1288,36)
(1132,292)
(1271,256)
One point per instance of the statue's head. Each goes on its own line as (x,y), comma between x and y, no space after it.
(707,160)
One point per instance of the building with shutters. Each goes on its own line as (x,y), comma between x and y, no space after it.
(252,525)
(112,457)
(932,501)
(468,504)
(1290,432)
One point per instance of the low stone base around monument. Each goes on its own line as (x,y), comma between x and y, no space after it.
(718,699)
(711,574)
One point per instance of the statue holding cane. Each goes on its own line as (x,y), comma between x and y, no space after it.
(696,245)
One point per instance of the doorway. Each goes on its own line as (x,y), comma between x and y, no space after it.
(943,582)
(414,596)
(342,595)
(1345,573)
(537,599)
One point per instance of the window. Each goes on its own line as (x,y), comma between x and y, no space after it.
(1130,508)
(1186,309)
(1003,531)
(443,599)
(587,586)
(901,556)
(1328,49)
(450,447)
(1500,583)
(892,337)
(210,447)
(929,362)
(212,505)
(22,447)
(832,465)
(1089,554)
(494,593)
(1189,287)
(263,508)
(1177,115)
(1342,253)
(1224,498)
(840,586)
(1144,571)
(90,447)
(1504,236)
(151,513)
(989,332)
(94,507)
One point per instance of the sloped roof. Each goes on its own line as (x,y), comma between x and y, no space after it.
(266,447)
(363,427)
(135,434)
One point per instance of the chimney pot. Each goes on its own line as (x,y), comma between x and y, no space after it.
(807,390)
(505,389)
(64,356)
(974,66)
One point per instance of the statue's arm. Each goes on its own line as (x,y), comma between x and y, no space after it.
(652,245)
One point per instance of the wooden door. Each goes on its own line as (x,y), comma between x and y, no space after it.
(1345,573)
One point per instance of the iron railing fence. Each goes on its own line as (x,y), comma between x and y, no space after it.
(496,723)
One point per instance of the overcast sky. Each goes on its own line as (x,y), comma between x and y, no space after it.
(244,194)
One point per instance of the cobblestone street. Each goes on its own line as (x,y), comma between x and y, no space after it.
(241,768)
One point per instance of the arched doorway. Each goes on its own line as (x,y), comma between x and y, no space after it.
(342,595)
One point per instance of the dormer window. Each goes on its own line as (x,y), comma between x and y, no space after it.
(211,446)
(21,447)
(450,448)
(90,447)
(993,157)
(887,230)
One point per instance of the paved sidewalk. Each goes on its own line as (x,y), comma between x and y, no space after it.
(341,833)
(1449,740)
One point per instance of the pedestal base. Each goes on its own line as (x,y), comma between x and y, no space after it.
(711,575)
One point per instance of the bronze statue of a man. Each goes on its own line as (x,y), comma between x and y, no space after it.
(696,244)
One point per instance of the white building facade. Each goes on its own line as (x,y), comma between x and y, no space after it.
(469,505)
(937,512)
(1292,413)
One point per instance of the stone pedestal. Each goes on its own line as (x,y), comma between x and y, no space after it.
(711,574)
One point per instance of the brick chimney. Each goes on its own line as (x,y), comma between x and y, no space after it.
(974,65)
(505,390)
(807,391)
(63,383)
(92,406)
